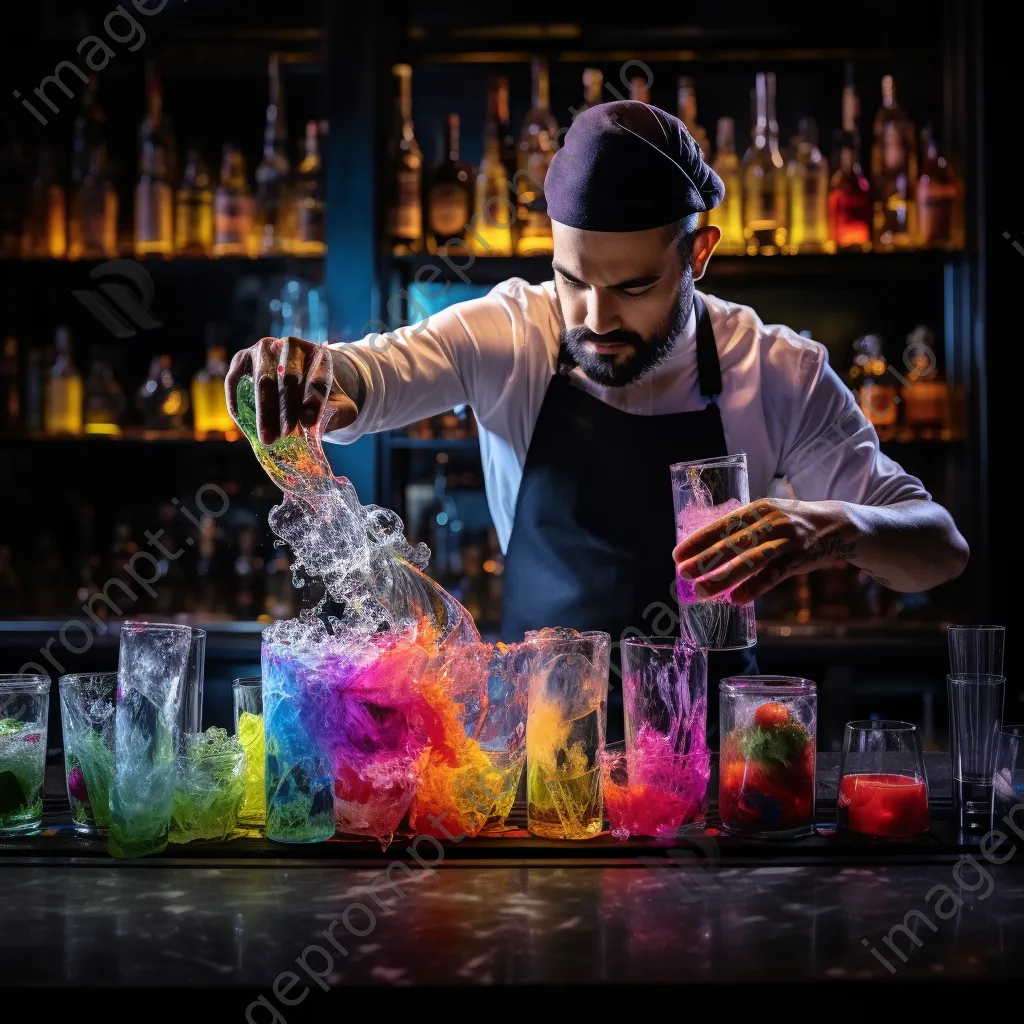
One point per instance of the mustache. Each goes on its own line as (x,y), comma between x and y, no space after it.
(580,335)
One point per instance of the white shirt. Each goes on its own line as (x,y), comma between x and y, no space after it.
(782,404)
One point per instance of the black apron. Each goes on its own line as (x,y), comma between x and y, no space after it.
(594,528)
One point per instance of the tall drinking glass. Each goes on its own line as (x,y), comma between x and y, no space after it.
(87,702)
(667,761)
(975,717)
(565,732)
(883,790)
(704,491)
(192,691)
(151,672)
(247,694)
(975,650)
(24,710)
(1008,783)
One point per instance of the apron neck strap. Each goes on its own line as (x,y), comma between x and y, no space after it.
(709,371)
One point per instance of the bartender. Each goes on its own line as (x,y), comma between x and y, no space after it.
(588,387)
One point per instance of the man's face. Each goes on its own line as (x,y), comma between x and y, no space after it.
(624,298)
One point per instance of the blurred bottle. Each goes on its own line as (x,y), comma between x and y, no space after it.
(10,388)
(686,111)
(10,587)
(279,601)
(450,195)
(728,215)
(404,179)
(207,570)
(849,199)
(210,416)
(92,219)
(939,199)
(639,89)
(275,205)
(876,395)
(248,576)
(593,85)
(808,193)
(310,205)
(62,403)
(193,208)
(14,186)
(233,207)
(45,224)
(154,194)
(537,144)
(104,401)
(34,390)
(161,400)
(924,396)
(509,144)
(493,212)
(894,173)
(764,177)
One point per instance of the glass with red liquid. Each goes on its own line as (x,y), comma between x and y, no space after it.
(883,790)
(766,769)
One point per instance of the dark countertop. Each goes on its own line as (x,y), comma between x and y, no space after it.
(236,918)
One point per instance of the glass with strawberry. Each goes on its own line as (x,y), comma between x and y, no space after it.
(883,790)
(766,768)
(24,712)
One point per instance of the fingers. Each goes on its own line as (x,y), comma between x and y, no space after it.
(291,372)
(737,538)
(761,514)
(764,559)
(317,389)
(268,413)
(241,364)
(755,587)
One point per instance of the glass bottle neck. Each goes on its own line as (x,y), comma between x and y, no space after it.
(541,97)
(451,138)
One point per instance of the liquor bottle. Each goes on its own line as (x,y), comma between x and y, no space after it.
(924,395)
(208,584)
(876,396)
(537,142)
(162,402)
(279,593)
(450,196)
(45,225)
(232,207)
(62,401)
(92,217)
(639,89)
(193,208)
(404,174)
(248,574)
(808,193)
(728,215)
(764,177)
(849,197)
(210,416)
(492,206)
(894,173)
(104,404)
(10,388)
(506,136)
(275,206)
(686,110)
(593,84)
(939,199)
(310,207)
(154,197)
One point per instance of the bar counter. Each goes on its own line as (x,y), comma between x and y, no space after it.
(240,919)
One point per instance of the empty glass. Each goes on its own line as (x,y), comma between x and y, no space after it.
(883,790)
(1008,783)
(704,491)
(247,696)
(87,701)
(152,668)
(24,710)
(975,650)
(565,732)
(975,717)
(767,761)
(192,690)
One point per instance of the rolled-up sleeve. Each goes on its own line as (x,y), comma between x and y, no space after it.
(455,357)
(828,448)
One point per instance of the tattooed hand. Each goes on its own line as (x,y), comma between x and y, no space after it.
(747,553)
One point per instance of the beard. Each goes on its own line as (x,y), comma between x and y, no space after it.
(641,355)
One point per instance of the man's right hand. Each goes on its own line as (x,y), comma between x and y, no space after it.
(293,385)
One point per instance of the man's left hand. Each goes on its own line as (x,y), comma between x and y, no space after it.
(753,549)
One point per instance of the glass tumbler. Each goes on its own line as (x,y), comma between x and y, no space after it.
(767,761)
(247,696)
(87,718)
(703,492)
(24,707)
(975,718)
(883,790)
(1008,784)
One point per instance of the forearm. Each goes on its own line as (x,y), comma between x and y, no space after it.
(909,546)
